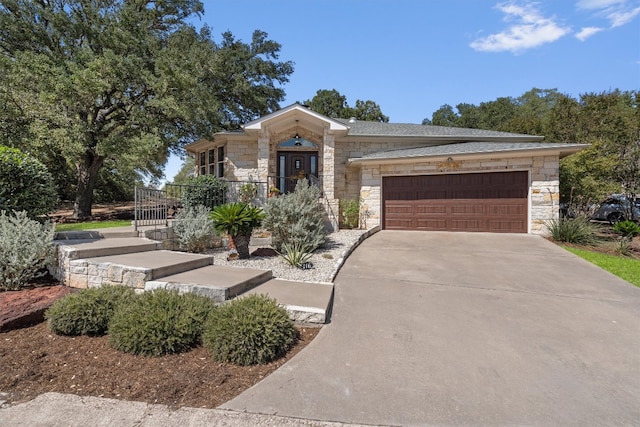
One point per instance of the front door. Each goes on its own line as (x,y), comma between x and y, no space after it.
(295,165)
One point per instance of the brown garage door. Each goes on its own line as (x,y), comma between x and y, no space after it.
(492,201)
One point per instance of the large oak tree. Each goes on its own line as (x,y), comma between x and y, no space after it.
(125,82)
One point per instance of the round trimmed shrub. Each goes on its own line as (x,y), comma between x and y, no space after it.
(25,184)
(249,330)
(87,312)
(159,322)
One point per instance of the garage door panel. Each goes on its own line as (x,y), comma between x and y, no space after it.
(494,201)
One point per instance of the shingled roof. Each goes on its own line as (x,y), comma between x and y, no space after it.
(469,148)
(364,128)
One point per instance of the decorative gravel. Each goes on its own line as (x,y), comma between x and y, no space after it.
(326,260)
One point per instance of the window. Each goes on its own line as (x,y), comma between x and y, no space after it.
(203,164)
(212,162)
(220,173)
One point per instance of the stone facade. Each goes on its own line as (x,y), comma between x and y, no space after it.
(544,187)
(253,155)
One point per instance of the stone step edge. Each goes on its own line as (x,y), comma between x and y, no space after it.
(217,293)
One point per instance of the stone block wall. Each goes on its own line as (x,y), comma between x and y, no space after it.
(165,236)
(89,274)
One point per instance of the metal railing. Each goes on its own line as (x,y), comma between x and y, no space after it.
(155,207)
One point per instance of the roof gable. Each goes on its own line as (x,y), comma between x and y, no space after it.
(300,114)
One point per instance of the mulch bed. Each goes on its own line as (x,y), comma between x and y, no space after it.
(33,361)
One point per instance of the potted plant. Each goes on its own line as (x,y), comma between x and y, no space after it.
(238,221)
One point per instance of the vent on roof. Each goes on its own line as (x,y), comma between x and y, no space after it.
(352,120)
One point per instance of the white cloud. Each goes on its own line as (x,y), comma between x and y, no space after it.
(617,12)
(528,29)
(587,32)
(623,17)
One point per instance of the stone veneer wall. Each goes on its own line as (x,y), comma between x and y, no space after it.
(544,191)
(241,163)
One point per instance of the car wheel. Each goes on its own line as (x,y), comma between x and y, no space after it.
(615,217)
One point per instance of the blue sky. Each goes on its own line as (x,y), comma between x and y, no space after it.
(412,56)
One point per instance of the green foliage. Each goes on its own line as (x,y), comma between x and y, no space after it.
(623,246)
(296,218)
(159,322)
(122,84)
(194,229)
(26,248)
(204,190)
(248,192)
(332,103)
(237,218)
(87,312)
(25,184)
(92,225)
(186,171)
(627,228)
(249,330)
(577,230)
(626,268)
(350,212)
(295,254)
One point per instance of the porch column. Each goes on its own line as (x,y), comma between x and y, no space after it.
(328,166)
(263,159)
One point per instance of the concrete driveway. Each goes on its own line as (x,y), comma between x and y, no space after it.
(466,329)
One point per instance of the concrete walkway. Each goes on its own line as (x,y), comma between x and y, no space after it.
(466,329)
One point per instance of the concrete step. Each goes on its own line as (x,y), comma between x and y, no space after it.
(106,233)
(159,263)
(305,302)
(92,248)
(218,282)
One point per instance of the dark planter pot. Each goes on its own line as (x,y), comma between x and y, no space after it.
(242,245)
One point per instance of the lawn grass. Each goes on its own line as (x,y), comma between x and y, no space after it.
(625,268)
(92,225)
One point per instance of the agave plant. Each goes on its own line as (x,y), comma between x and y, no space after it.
(238,221)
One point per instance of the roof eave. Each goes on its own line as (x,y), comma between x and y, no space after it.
(561,151)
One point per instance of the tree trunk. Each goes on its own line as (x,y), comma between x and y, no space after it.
(242,245)
(87,169)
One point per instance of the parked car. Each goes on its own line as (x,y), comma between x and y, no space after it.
(617,208)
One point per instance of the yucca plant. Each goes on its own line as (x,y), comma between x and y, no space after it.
(295,254)
(577,230)
(238,221)
(627,228)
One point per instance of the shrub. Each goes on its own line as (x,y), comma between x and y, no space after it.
(248,192)
(25,184)
(296,218)
(295,255)
(194,229)
(350,212)
(26,248)
(577,230)
(627,228)
(249,330)
(238,221)
(159,322)
(205,190)
(87,312)
(623,246)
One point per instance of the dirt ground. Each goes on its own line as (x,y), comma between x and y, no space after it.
(35,361)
